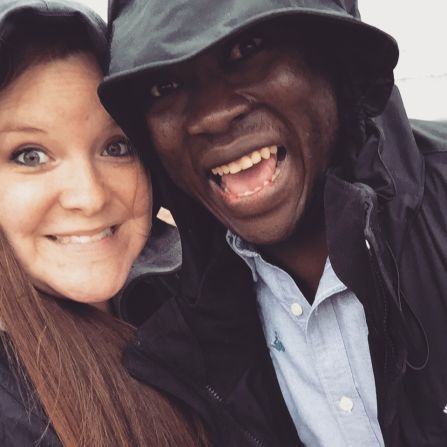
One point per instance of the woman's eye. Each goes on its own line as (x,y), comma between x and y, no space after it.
(31,157)
(121,148)
(163,88)
(245,48)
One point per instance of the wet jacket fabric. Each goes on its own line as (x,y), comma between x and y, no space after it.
(386,234)
(22,420)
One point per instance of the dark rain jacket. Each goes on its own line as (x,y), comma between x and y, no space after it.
(22,420)
(386,233)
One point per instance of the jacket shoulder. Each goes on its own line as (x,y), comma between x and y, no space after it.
(154,277)
(430,136)
(22,421)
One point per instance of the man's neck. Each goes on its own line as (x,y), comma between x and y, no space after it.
(303,257)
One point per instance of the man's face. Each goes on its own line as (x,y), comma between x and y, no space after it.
(247,128)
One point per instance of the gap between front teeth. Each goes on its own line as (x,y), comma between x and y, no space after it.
(246,162)
(83,239)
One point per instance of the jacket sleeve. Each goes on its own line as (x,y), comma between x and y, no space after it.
(22,422)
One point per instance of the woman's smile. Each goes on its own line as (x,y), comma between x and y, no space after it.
(83,237)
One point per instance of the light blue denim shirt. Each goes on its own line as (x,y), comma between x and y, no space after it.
(320,353)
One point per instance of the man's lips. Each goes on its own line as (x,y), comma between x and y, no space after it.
(246,161)
(250,173)
(223,151)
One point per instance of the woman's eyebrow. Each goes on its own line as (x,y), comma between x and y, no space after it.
(18,128)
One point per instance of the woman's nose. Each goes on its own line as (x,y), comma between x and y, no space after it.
(84,189)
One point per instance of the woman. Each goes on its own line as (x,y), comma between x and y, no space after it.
(75,213)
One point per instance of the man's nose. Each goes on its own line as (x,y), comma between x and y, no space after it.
(215,104)
(84,189)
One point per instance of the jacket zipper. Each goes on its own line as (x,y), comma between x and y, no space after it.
(380,286)
(250,436)
(380,289)
(213,393)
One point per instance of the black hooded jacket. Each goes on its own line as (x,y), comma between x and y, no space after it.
(386,233)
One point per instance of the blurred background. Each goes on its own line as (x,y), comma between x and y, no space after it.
(419,28)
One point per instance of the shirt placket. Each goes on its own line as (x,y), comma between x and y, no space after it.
(334,371)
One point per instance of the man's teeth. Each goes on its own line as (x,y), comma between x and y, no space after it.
(257,189)
(246,162)
(84,239)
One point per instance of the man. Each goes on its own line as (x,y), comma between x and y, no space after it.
(291,165)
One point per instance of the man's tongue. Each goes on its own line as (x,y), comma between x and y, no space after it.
(251,179)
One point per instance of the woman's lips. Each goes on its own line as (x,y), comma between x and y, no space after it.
(83,238)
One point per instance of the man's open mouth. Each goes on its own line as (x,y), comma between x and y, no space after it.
(250,173)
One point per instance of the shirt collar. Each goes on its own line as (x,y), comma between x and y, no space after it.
(245,250)
(329,282)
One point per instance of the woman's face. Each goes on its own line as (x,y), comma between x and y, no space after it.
(75,202)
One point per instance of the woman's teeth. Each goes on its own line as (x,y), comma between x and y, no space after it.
(65,240)
(246,162)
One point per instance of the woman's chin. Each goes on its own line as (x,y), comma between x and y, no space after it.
(95,296)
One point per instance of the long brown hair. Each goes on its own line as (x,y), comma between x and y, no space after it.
(70,353)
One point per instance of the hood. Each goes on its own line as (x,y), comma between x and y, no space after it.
(155,266)
(147,35)
(16,13)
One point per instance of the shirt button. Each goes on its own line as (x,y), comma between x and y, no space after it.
(296,309)
(346,404)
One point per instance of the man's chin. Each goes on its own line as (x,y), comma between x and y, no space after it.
(289,226)
(265,232)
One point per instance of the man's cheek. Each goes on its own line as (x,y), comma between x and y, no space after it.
(160,131)
(176,169)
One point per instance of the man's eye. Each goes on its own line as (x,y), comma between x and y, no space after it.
(119,148)
(30,157)
(163,88)
(245,48)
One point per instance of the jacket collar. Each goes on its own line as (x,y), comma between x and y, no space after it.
(391,164)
